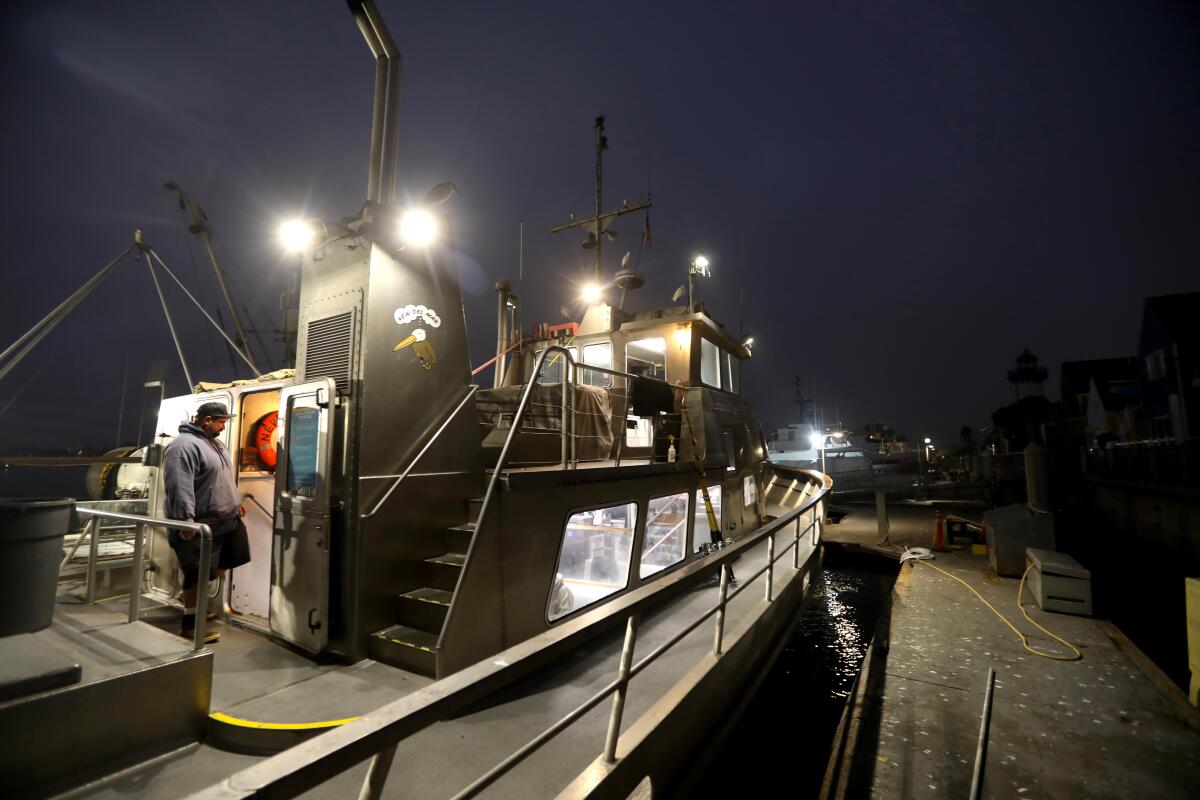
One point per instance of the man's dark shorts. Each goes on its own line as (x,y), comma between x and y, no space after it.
(230,548)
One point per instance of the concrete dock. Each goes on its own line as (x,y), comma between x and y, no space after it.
(1107,726)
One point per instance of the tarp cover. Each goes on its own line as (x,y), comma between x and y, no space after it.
(592,414)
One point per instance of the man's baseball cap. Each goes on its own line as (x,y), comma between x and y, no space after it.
(212,410)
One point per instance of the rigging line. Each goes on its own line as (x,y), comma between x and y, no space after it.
(208,339)
(236,272)
(30,339)
(258,336)
(152,252)
(124,387)
(170,322)
(25,386)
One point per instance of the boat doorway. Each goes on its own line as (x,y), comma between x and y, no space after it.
(255,456)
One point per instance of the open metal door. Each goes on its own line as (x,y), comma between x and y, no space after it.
(301,536)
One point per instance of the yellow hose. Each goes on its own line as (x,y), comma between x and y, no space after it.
(1024,640)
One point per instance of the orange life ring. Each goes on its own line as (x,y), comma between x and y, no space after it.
(264,440)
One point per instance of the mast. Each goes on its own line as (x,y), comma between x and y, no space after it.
(597,225)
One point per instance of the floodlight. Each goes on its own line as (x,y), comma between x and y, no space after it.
(296,235)
(591,293)
(418,227)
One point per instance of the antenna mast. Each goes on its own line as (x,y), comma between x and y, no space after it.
(597,226)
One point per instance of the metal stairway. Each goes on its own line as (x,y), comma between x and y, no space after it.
(411,643)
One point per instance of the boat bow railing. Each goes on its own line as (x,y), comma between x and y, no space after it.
(375,736)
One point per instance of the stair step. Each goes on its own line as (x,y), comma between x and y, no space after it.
(474,506)
(466,526)
(424,608)
(406,648)
(458,538)
(441,572)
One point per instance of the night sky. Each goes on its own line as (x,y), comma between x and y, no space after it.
(918,190)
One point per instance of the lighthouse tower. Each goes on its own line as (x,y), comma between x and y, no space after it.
(1028,377)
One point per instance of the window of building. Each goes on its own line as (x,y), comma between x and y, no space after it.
(749,491)
(666,533)
(710,364)
(701,515)
(552,372)
(598,355)
(594,560)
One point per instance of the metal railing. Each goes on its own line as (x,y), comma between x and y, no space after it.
(375,736)
(135,574)
(429,443)
(567,383)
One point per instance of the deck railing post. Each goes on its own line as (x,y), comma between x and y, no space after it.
(818,515)
(618,706)
(571,384)
(202,586)
(377,773)
(135,572)
(566,453)
(93,555)
(796,545)
(770,566)
(723,594)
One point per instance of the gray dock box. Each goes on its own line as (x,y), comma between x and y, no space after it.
(1059,582)
(1012,529)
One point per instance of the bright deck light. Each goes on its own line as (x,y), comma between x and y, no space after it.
(296,235)
(683,336)
(590,293)
(418,227)
(817,441)
(701,262)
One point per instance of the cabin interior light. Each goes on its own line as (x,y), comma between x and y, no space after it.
(591,293)
(297,235)
(418,228)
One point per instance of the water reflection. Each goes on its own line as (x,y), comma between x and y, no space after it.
(813,677)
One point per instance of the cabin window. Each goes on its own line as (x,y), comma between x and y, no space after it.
(598,355)
(701,515)
(594,561)
(552,371)
(730,451)
(647,358)
(749,491)
(732,365)
(710,364)
(666,533)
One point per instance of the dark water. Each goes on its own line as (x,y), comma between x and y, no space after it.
(789,726)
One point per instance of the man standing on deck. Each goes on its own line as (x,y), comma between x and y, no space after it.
(199,484)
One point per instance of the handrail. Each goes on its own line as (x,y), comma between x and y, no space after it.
(371,737)
(568,381)
(470,393)
(135,572)
(626,672)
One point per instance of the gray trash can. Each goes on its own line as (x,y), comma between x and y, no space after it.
(31,547)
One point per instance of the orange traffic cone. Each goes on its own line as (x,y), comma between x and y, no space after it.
(939,532)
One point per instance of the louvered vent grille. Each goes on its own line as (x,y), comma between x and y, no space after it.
(328,349)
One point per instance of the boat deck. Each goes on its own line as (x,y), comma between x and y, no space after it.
(259,680)
(1107,726)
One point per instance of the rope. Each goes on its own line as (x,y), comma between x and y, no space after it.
(921,555)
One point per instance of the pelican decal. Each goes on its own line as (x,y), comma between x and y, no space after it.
(418,340)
